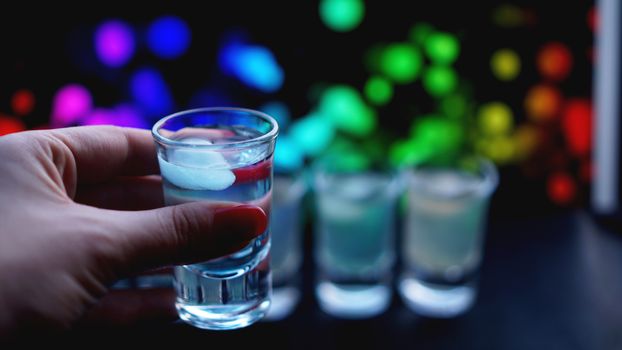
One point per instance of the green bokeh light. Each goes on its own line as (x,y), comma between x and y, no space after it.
(312,134)
(431,138)
(401,63)
(344,155)
(420,32)
(454,106)
(439,80)
(440,134)
(373,57)
(442,48)
(408,152)
(344,107)
(378,90)
(342,15)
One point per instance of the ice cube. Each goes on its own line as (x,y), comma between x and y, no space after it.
(197,169)
(192,178)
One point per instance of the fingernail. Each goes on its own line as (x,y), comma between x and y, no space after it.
(244,221)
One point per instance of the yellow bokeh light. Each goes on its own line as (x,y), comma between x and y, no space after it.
(495,118)
(505,64)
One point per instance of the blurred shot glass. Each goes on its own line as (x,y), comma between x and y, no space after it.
(354,241)
(286,225)
(443,235)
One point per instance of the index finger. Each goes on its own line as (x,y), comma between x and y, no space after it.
(104,152)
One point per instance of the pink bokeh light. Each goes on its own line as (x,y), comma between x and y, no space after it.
(122,115)
(70,104)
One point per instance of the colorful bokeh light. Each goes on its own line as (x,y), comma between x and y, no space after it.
(9,125)
(408,152)
(114,43)
(500,149)
(526,139)
(454,106)
(561,188)
(577,126)
(210,97)
(442,48)
(508,16)
(22,102)
(439,80)
(420,32)
(122,115)
(592,19)
(342,15)
(70,104)
(554,61)
(543,102)
(344,108)
(401,63)
(495,119)
(169,37)
(279,111)
(288,157)
(378,90)
(253,65)
(505,64)
(312,134)
(151,93)
(441,136)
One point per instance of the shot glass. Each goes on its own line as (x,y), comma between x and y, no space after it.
(286,248)
(443,235)
(354,241)
(220,154)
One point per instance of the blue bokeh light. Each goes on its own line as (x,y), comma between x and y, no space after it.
(150,91)
(279,111)
(210,97)
(253,65)
(288,157)
(168,37)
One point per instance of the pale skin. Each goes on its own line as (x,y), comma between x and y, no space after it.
(81,208)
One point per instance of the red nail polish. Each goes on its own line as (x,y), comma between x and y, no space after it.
(244,221)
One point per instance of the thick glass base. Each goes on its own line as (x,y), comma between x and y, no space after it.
(222,317)
(437,300)
(284,302)
(353,301)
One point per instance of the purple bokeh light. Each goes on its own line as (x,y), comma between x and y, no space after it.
(121,115)
(114,43)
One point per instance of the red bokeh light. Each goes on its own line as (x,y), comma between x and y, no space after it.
(592,19)
(554,61)
(586,171)
(23,102)
(561,188)
(10,125)
(577,126)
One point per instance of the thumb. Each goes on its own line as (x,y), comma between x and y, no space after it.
(185,233)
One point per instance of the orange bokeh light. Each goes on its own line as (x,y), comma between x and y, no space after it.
(543,102)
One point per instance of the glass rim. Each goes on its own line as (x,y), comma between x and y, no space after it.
(268,136)
(321,176)
(489,174)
